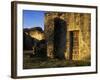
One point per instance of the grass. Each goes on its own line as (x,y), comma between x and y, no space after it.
(30,63)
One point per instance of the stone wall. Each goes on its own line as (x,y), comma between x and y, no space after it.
(75,22)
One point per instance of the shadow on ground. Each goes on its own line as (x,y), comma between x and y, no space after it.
(35,62)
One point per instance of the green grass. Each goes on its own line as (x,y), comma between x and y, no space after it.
(30,63)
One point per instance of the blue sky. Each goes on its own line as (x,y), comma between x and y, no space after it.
(33,18)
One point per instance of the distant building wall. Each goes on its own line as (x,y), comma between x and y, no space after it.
(37,35)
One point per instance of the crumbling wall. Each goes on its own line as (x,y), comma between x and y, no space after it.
(75,21)
(85,37)
(49,33)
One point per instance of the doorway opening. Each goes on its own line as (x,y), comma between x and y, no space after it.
(74,44)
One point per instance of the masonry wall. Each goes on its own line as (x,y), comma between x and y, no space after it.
(75,22)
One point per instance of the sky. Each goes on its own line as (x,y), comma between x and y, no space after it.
(33,18)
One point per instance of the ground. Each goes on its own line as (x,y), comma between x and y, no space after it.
(31,63)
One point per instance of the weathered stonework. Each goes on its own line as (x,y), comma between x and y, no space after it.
(78,23)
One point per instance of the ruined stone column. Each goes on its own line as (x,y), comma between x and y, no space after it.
(49,32)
